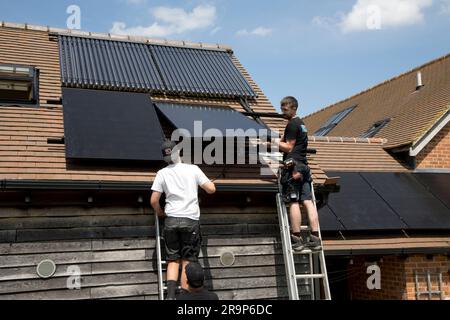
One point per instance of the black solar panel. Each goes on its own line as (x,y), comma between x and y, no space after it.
(359,207)
(328,221)
(110,125)
(221,119)
(201,72)
(436,183)
(411,200)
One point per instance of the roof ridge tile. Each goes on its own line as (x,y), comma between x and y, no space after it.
(379,141)
(117,37)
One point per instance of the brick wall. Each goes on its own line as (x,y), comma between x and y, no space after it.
(422,264)
(392,279)
(397,277)
(436,154)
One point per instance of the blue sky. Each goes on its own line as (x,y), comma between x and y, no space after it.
(319,51)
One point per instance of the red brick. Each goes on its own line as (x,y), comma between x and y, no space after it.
(437,153)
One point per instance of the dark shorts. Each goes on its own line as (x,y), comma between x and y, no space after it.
(304,190)
(302,187)
(182,239)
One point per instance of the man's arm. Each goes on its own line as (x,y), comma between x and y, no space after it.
(287,146)
(154,201)
(209,187)
(203,181)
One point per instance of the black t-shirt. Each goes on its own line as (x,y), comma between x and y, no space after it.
(296,130)
(200,295)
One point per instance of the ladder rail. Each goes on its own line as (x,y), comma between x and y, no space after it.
(311,276)
(159,259)
(287,249)
(323,265)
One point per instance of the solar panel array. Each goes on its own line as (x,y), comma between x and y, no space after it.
(128,66)
(388,201)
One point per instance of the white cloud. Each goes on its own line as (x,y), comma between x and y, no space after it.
(325,22)
(215,30)
(170,21)
(379,14)
(260,31)
(445,7)
(135,2)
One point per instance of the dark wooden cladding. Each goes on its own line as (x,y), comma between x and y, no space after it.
(114,247)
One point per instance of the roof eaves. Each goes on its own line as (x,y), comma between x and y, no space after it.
(430,133)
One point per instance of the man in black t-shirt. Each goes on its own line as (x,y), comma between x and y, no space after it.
(195,279)
(294,145)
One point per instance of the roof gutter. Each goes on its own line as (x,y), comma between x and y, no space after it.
(430,134)
(109,186)
(385,251)
(18,185)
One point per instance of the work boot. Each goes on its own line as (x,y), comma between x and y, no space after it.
(297,243)
(171,290)
(314,243)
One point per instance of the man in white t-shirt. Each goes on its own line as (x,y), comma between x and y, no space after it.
(179,182)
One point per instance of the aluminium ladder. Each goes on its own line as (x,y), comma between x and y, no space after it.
(288,255)
(160,262)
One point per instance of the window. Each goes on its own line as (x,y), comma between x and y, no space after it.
(375,128)
(18,84)
(333,121)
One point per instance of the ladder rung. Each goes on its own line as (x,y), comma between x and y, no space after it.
(178,288)
(309,276)
(306,251)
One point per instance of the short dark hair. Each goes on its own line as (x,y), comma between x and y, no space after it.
(291,101)
(195,275)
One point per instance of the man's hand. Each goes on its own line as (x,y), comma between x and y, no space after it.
(297,175)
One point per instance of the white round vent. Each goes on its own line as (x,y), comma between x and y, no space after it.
(227,259)
(46,268)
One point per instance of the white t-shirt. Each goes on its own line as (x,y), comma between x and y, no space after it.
(180,183)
